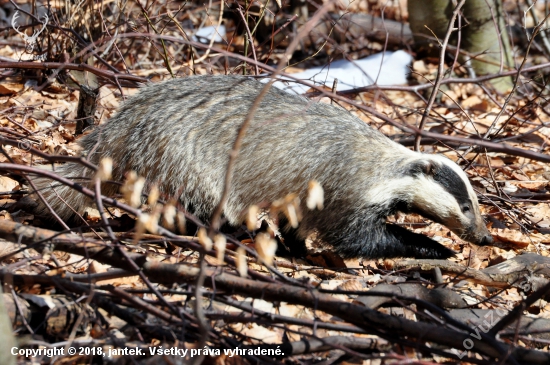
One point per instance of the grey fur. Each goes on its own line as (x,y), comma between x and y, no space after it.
(179,133)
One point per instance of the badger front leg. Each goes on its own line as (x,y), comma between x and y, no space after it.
(376,240)
(404,243)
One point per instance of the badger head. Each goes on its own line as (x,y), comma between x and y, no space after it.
(440,190)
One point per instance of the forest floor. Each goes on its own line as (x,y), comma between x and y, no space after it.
(152,288)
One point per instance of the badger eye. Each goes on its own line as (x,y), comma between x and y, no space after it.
(465,208)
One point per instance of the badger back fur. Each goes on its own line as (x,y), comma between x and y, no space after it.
(179,133)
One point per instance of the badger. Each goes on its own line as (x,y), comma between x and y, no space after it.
(179,134)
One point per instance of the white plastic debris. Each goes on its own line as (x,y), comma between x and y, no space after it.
(205,34)
(387,68)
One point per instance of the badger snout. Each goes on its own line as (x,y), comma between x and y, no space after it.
(479,235)
(486,239)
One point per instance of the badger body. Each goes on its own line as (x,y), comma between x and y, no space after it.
(179,134)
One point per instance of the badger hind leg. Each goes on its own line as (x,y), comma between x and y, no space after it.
(290,244)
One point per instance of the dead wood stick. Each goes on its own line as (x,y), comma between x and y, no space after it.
(467,273)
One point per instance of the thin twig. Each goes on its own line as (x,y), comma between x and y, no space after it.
(250,40)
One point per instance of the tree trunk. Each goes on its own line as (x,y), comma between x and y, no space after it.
(486,39)
(429,19)
(484,35)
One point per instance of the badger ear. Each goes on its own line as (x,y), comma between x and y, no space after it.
(424,167)
(428,168)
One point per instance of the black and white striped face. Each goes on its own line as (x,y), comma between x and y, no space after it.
(443,193)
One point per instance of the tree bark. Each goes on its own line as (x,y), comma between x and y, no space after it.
(486,36)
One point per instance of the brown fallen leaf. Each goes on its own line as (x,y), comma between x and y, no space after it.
(530,185)
(510,236)
(11,86)
(7,184)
